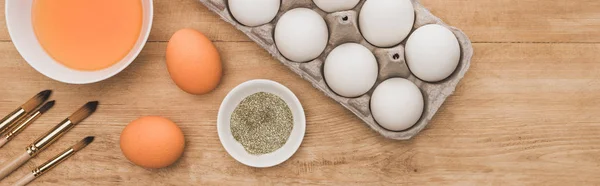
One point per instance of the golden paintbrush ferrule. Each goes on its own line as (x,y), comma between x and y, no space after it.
(53,162)
(50,137)
(21,126)
(10,119)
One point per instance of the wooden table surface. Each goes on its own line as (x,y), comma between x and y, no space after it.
(527,112)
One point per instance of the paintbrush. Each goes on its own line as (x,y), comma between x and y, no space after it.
(48,138)
(40,170)
(25,122)
(20,112)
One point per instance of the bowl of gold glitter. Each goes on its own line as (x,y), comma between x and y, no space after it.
(261,123)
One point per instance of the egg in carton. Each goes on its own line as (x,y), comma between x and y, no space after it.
(343,28)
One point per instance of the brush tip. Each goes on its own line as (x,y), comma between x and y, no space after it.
(84,112)
(83,143)
(89,139)
(44,95)
(92,105)
(36,101)
(47,106)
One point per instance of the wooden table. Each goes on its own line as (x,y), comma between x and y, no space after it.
(528,111)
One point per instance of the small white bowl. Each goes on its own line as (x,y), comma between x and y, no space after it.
(235,149)
(18,22)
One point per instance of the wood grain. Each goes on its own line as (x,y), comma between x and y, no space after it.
(525,114)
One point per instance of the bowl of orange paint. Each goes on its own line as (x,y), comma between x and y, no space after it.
(79,42)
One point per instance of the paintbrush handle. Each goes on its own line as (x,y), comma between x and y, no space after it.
(3,141)
(25,180)
(13,165)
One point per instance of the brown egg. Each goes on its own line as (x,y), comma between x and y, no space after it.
(193,62)
(152,142)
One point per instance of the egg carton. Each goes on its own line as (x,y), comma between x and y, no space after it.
(343,28)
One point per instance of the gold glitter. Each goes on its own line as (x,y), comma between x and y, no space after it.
(262,123)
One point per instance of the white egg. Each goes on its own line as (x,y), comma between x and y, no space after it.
(254,12)
(397,104)
(385,23)
(336,5)
(301,35)
(432,53)
(350,70)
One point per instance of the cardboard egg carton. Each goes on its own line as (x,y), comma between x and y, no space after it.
(343,28)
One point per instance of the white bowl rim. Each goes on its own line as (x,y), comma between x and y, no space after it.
(135,53)
(281,154)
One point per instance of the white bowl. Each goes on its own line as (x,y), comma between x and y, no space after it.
(235,149)
(18,22)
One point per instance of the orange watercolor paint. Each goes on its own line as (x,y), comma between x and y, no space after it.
(87,35)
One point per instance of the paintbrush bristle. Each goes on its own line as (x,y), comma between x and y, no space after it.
(46,106)
(83,143)
(36,100)
(84,112)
